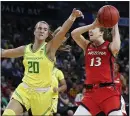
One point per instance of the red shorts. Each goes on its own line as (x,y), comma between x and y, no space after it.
(104,99)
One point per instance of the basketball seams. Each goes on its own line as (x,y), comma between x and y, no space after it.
(110,14)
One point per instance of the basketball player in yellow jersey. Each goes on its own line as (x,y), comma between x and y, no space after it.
(35,91)
(58,78)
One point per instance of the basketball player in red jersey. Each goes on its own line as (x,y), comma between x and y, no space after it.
(120,82)
(101,94)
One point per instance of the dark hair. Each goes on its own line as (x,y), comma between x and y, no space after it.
(106,34)
(119,65)
(52,34)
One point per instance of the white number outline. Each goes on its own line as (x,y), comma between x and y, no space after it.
(96,61)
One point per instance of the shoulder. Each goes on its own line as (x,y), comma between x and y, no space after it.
(59,74)
(59,71)
(27,47)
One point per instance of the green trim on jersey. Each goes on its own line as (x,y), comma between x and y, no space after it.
(46,54)
(38,48)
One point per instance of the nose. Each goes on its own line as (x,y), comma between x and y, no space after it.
(42,31)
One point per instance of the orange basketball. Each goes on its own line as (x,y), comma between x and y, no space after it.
(108,16)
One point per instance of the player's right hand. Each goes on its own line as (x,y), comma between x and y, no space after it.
(77,13)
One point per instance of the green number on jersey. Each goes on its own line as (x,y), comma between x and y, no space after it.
(33,67)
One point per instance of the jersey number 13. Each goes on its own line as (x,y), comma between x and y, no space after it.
(95,61)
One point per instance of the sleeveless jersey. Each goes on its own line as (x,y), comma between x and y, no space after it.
(99,63)
(38,68)
(118,82)
(57,75)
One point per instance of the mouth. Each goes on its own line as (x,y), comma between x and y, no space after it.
(42,35)
(90,34)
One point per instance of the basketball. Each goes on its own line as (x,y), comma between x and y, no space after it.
(108,16)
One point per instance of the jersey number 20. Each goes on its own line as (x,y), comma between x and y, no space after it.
(33,67)
(95,61)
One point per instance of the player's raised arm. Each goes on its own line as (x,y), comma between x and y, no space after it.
(77,34)
(13,53)
(115,44)
(55,43)
(78,38)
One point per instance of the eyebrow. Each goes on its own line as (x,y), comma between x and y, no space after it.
(43,28)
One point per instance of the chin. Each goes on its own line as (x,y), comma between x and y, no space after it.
(92,39)
(41,39)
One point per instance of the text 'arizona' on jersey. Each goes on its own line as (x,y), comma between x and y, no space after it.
(38,68)
(99,63)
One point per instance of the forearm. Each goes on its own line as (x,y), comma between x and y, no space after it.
(7,53)
(62,88)
(67,24)
(116,37)
(13,53)
(83,29)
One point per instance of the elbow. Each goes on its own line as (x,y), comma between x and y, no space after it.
(63,31)
(116,49)
(118,46)
(73,34)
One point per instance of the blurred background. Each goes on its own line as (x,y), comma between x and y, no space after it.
(17,23)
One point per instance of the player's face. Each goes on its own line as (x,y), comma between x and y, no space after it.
(94,34)
(41,31)
(116,67)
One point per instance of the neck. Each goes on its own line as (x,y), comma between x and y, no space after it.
(98,41)
(37,44)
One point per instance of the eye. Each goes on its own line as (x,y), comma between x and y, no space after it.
(45,29)
(39,28)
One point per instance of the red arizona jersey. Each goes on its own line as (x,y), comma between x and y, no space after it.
(118,83)
(99,63)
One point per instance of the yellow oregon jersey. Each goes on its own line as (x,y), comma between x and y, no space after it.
(38,68)
(57,75)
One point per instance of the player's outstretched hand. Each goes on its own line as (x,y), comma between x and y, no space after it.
(77,13)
